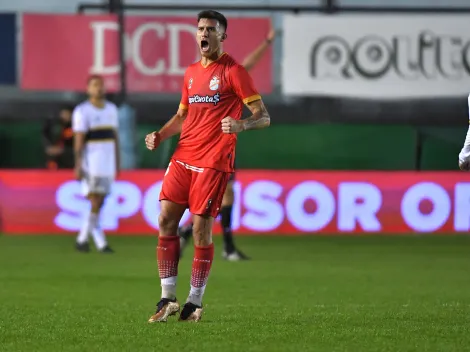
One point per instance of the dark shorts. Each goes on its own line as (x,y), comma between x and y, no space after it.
(232,177)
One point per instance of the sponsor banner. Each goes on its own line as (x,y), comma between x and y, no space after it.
(60,51)
(7,48)
(383,56)
(277,202)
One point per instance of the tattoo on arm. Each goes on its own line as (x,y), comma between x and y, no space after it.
(259,119)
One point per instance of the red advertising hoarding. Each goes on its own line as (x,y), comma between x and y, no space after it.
(61,51)
(275,202)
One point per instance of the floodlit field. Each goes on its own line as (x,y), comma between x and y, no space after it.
(298,294)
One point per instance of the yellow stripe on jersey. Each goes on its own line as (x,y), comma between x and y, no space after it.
(183,107)
(251,99)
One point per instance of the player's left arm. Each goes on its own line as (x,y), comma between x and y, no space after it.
(259,118)
(244,88)
(117,145)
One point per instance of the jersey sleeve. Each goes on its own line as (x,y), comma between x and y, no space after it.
(79,122)
(115,117)
(242,84)
(184,103)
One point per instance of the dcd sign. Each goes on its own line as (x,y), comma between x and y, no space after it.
(157,51)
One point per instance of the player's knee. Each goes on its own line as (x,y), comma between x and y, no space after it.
(96,202)
(168,224)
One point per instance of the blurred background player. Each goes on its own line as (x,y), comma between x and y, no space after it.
(231,252)
(464,156)
(58,139)
(96,146)
(208,120)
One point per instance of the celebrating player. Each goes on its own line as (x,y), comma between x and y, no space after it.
(230,252)
(96,148)
(464,156)
(208,118)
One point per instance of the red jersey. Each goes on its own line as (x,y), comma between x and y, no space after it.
(210,94)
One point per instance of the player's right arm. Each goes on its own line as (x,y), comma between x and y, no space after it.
(175,124)
(464,156)
(80,128)
(172,127)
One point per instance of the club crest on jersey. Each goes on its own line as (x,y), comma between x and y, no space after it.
(190,83)
(195,99)
(214,83)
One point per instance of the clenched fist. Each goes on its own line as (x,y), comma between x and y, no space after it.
(152,140)
(230,125)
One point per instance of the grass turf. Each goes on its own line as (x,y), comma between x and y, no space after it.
(298,294)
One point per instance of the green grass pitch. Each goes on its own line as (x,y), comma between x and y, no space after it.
(313,293)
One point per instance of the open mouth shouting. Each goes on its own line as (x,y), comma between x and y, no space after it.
(205,46)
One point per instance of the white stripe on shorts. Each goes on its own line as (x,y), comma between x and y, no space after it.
(190,167)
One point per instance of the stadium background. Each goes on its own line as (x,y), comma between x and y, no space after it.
(335,125)
(408,118)
(380,158)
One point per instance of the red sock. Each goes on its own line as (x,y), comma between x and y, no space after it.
(168,254)
(203,257)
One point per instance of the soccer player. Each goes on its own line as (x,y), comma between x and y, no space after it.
(230,252)
(96,148)
(464,156)
(208,120)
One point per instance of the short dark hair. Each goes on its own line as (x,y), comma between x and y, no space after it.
(92,77)
(67,107)
(213,15)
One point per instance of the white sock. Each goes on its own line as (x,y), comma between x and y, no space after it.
(98,235)
(195,295)
(169,287)
(87,227)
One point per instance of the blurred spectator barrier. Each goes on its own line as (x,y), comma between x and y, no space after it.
(277,202)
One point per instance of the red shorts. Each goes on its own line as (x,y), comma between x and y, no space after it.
(200,189)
